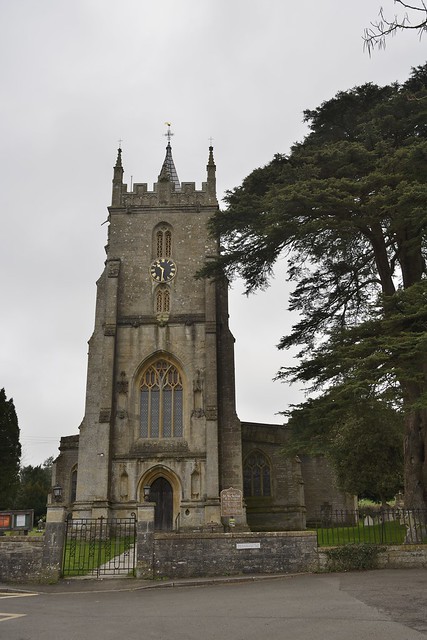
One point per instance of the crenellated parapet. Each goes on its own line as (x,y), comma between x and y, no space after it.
(167,191)
(164,194)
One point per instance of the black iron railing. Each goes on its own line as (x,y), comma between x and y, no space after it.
(99,546)
(382,526)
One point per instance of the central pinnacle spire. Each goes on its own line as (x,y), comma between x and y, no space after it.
(168,171)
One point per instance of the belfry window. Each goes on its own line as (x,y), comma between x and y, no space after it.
(163,243)
(161,401)
(162,300)
(256,475)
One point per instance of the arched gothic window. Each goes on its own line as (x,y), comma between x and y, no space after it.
(161,401)
(163,242)
(162,300)
(256,475)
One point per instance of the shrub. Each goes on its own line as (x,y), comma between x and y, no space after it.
(353,557)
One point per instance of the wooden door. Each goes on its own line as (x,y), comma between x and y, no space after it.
(161,493)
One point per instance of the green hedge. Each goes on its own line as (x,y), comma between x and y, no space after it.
(353,557)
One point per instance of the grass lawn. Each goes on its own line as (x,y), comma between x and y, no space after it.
(83,557)
(383,533)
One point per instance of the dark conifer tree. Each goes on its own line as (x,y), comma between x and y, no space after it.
(10,452)
(347,209)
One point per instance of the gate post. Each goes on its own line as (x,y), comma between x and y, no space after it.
(145,541)
(53,544)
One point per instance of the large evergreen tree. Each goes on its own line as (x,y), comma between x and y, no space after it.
(361,438)
(348,208)
(10,452)
(34,486)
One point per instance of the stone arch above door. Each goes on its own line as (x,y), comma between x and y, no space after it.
(159,476)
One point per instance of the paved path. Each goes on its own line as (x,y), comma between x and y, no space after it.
(374,605)
(118,564)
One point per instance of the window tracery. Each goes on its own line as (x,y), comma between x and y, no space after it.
(257,475)
(162,300)
(163,242)
(161,401)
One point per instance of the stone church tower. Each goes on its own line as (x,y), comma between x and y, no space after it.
(160,415)
(160,401)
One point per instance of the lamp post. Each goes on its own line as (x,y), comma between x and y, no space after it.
(57,493)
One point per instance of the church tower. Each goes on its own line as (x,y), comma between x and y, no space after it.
(160,400)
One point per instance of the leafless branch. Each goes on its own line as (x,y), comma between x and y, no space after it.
(376,34)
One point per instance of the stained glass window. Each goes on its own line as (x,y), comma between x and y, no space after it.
(257,475)
(178,414)
(161,401)
(167,412)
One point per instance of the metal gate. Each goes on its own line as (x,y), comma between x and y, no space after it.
(100,547)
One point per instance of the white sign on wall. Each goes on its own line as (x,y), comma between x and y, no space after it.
(20,520)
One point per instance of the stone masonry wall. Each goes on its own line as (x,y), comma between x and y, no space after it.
(404,556)
(411,556)
(21,559)
(194,555)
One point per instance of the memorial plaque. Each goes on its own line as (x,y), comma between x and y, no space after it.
(231,502)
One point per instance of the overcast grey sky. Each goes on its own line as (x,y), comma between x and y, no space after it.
(76,77)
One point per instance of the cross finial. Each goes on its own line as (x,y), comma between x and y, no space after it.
(168,133)
(210,140)
(120,143)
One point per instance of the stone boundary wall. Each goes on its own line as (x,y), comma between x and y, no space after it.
(21,559)
(214,554)
(405,556)
(411,556)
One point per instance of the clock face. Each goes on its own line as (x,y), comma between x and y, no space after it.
(163,270)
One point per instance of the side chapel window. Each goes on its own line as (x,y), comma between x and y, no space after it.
(257,475)
(161,401)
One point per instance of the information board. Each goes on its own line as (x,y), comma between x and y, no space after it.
(231,502)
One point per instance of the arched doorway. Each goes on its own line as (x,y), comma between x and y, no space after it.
(162,494)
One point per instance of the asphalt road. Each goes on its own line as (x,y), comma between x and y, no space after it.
(389,605)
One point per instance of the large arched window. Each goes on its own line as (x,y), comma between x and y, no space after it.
(256,475)
(161,401)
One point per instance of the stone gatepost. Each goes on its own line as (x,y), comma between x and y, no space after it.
(53,544)
(145,540)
